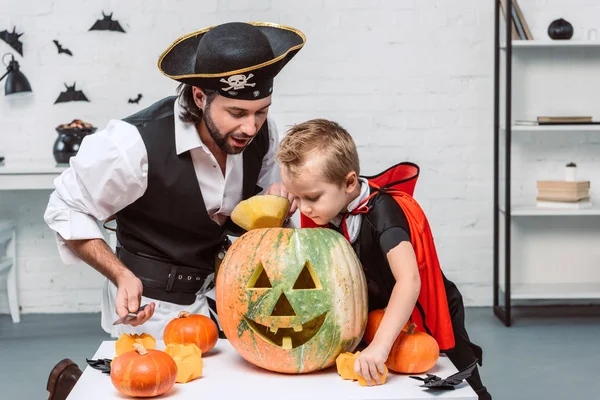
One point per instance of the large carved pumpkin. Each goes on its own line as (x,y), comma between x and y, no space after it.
(292,300)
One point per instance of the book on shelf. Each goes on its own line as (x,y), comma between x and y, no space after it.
(563,185)
(562,195)
(564,120)
(519,29)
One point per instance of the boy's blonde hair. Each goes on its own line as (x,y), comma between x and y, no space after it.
(326,137)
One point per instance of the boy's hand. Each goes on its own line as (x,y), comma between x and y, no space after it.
(370,363)
(278,189)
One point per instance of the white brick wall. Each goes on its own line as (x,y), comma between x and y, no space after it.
(412,80)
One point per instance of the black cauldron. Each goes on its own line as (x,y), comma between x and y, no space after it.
(68,141)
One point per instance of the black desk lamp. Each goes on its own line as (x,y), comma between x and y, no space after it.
(16,82)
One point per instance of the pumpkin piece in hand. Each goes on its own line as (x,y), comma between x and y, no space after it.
(143,372)
(188,358)
(261,211)
(345,367)
(192,328)
(126,341)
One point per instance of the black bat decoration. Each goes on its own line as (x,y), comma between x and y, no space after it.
(62,49)
(107,24)
(101,364)
(71,95)
(136,100)
(437,383)
(12,38)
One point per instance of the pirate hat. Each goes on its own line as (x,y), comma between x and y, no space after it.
(239,60)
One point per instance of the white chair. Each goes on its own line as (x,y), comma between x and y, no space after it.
(8,266)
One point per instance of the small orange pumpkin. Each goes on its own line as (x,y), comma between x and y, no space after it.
(188,358)
(126,341)
(192,328)
(413,352)
(143,372)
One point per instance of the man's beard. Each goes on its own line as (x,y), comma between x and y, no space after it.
(223,140)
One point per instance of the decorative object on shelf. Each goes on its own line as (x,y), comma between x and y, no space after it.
(560,29)
(571,172)
(62,49)
(563,194)
(136,100)
(69,139)
(71,95)
(592,34)
(16,82)
(107,24)
(1,160)
(12,38)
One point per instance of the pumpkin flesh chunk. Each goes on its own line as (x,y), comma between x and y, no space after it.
(345,368)
(261,211)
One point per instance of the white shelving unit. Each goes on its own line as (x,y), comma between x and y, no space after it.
(541,253)
(554,291)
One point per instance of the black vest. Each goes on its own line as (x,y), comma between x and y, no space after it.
(170,220)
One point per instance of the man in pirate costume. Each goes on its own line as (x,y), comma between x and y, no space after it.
(391,236)
(171,174)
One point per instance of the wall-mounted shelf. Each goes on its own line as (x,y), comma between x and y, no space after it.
(533,211)
(551,291)
(555,128)
(549,44)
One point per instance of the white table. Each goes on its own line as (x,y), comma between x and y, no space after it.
(23,175)
(226,375)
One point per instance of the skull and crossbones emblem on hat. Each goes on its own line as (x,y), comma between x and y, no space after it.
(237,82)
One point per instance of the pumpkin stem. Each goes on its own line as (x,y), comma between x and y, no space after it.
(411,328)
(140,349)
(184,314)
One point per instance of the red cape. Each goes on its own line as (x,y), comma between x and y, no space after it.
(431,313)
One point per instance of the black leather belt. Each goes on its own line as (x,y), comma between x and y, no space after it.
(163,280)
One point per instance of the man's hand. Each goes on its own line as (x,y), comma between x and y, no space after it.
(129,295)
(278,189)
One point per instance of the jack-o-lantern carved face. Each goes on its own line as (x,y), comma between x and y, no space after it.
(292,300)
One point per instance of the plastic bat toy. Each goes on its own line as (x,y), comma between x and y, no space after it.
(101,364)
(62,49)
(71,95)
(12,38)
(435,382)
(107,24)
(136,100)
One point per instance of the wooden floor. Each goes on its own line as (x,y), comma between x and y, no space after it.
(549,353)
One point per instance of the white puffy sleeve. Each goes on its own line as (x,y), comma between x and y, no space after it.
(108,173)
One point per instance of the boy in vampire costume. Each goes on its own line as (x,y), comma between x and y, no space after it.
(391,236)
(171,174)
